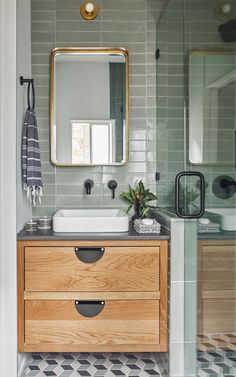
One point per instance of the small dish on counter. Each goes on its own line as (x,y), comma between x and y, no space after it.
(44,223)
(31,226)
(147,226)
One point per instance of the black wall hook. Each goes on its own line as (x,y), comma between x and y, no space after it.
(24,81)
(30,83)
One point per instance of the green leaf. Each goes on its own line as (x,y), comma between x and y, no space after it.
(141,187)
(151,196)
(138,197)
(145,211)
(129,208)
(126,196)
(132,192)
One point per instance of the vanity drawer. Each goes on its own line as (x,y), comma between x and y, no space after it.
(121,324)
(120,269)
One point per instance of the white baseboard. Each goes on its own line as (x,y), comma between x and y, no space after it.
(23,364)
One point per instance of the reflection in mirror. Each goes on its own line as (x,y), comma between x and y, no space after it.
(93,142)
(212,106)
(89,107)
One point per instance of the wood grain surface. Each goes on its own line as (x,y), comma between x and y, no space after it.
(92,295)
(216,286)
(120,322)
(131,277)
(20,297)
(120,269)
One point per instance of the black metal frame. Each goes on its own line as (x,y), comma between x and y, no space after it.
(178,210)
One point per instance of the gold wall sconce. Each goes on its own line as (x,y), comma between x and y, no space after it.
(224,11)
(89,10)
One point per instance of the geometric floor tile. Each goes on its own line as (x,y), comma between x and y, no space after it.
(97,364)
(217,355)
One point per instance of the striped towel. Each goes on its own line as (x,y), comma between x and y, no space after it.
(31,163)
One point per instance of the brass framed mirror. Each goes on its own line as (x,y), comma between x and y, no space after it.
(89,106)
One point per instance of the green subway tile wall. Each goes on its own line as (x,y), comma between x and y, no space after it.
(130,24)
(186,25)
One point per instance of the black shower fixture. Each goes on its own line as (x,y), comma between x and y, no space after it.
(228,31)
(224,186)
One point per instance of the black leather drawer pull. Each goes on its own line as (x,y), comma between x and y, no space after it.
(89,308)
(89,254)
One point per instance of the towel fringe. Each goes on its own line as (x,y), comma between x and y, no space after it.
(32,193)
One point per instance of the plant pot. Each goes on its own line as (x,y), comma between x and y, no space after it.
(136,214)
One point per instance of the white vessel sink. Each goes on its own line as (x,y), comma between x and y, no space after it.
(90,220)
(227,217)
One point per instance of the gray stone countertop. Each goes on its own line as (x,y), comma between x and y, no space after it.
(50,235)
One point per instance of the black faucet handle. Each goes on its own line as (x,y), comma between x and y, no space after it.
(88,184)
(112,184)
(224,186)
(226,183)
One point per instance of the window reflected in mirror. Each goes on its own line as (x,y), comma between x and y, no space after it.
(93,142)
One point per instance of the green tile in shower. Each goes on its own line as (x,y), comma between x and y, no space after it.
(40,59)
(68,15)
(43,36)
(122,15)
(73,26)
(38,47)
(71,4)
(125,5)
(44,15)
(43,211)
(137,91)
(78,201)
(132,26)
(44,5)
(40,69)
(48,179)
(77,36)
(46,26)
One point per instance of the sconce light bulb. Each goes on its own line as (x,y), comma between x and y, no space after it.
(226,8)
(89,7)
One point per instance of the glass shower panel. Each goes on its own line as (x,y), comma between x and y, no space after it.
(170,100)
(171,159)
(196,131)
(210,106)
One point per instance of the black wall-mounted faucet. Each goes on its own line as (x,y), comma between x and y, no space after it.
(88,184)
(224,187)
(112,186)
(226,183)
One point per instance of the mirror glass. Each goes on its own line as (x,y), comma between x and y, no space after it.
(89,107)
(212,106)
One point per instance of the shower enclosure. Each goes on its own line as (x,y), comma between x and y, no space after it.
(196,128)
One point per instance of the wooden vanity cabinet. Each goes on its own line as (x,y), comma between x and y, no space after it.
(216,286)
(114,304)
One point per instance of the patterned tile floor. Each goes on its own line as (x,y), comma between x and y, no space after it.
(95,364)
(217,355)
(216,358)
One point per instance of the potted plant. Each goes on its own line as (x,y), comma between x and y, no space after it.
(138,197)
